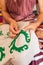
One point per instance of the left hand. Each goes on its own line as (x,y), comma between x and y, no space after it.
(31,26)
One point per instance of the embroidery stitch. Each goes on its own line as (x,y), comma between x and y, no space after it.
(2,55)
(22,48)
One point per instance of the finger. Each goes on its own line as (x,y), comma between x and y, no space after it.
(12,30)
(12,35)
(18,31)
(16,28)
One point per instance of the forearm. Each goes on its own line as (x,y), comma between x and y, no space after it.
(39,19)
(7,17)
(36,24)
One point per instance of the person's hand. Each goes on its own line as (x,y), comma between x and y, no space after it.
(31,26)
(13,29)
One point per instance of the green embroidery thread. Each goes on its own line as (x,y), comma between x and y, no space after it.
(22,48)
(1,33)
(2,55)
(8,33)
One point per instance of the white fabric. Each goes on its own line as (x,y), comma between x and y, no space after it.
(26,56)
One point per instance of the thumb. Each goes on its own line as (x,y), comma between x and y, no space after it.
(18,31)
(16,28)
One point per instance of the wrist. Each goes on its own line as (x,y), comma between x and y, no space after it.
(12,21)
(38,24)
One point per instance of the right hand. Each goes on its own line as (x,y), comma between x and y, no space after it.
(13,29)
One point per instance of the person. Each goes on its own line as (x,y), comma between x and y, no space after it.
(17,10)
(19,14)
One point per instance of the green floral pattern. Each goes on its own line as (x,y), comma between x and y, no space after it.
(13,46)
(22,48)
(2,55)
(1,33)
